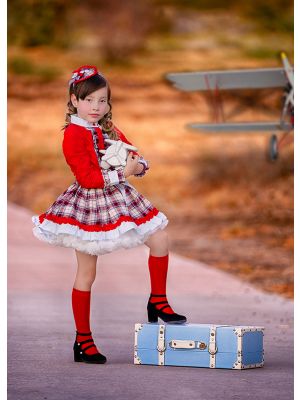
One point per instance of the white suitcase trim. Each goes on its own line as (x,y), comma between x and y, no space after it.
(137,328)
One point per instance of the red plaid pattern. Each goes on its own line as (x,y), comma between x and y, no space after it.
(103,208)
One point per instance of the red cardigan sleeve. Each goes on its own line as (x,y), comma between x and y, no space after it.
(88,174)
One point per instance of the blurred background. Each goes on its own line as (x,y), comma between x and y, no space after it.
(227,205)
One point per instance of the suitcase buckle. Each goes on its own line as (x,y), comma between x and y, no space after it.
(161,349)
(212,348)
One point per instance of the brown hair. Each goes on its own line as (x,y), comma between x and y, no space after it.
(83,89)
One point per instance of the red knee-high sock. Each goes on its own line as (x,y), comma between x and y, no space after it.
(81,302)
(158,268)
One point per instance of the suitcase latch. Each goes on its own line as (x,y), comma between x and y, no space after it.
(202,345)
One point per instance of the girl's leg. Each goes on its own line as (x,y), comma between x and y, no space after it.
(158,268)
(158,244)
(86,271)
(81,298)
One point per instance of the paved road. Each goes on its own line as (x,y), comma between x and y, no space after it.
(41,330)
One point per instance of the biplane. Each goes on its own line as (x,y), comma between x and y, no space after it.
(213,82)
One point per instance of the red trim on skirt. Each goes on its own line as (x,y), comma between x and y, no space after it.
(98,228)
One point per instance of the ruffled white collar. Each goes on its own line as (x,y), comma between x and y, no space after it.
(82,122)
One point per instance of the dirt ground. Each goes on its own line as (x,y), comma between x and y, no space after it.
(227,205)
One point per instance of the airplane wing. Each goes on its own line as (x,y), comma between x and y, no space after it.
(243,127)
(234,79)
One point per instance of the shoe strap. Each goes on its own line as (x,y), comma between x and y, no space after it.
(158,295)
(165,307)
(86,341)
(160,302)
(84,334)
(88,347)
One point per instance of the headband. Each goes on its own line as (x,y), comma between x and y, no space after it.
(83,73)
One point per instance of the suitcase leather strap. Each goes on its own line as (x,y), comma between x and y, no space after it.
(212,347)
(161,347)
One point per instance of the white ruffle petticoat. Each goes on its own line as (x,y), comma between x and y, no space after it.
(99,221)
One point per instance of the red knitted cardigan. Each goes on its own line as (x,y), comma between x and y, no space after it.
(79,152)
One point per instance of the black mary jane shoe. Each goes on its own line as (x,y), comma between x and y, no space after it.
(154,313)
(80,354)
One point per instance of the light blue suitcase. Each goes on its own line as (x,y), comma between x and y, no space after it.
(197,345)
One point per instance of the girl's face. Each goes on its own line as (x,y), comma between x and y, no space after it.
(93,107)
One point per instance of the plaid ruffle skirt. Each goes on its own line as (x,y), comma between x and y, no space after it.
(98,221)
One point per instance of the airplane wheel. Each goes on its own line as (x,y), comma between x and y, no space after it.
(273,148)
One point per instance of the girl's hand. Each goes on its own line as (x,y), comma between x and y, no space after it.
(132,164)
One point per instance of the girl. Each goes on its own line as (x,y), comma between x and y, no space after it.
(101,211)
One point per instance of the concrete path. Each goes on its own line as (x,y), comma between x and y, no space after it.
(41,329)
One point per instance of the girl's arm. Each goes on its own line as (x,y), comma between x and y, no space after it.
(87,174)
(141,161)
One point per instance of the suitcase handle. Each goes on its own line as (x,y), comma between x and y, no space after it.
(187,344)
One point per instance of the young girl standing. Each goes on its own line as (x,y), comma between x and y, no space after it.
(101,211)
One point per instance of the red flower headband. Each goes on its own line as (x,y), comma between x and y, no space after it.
(82,73)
